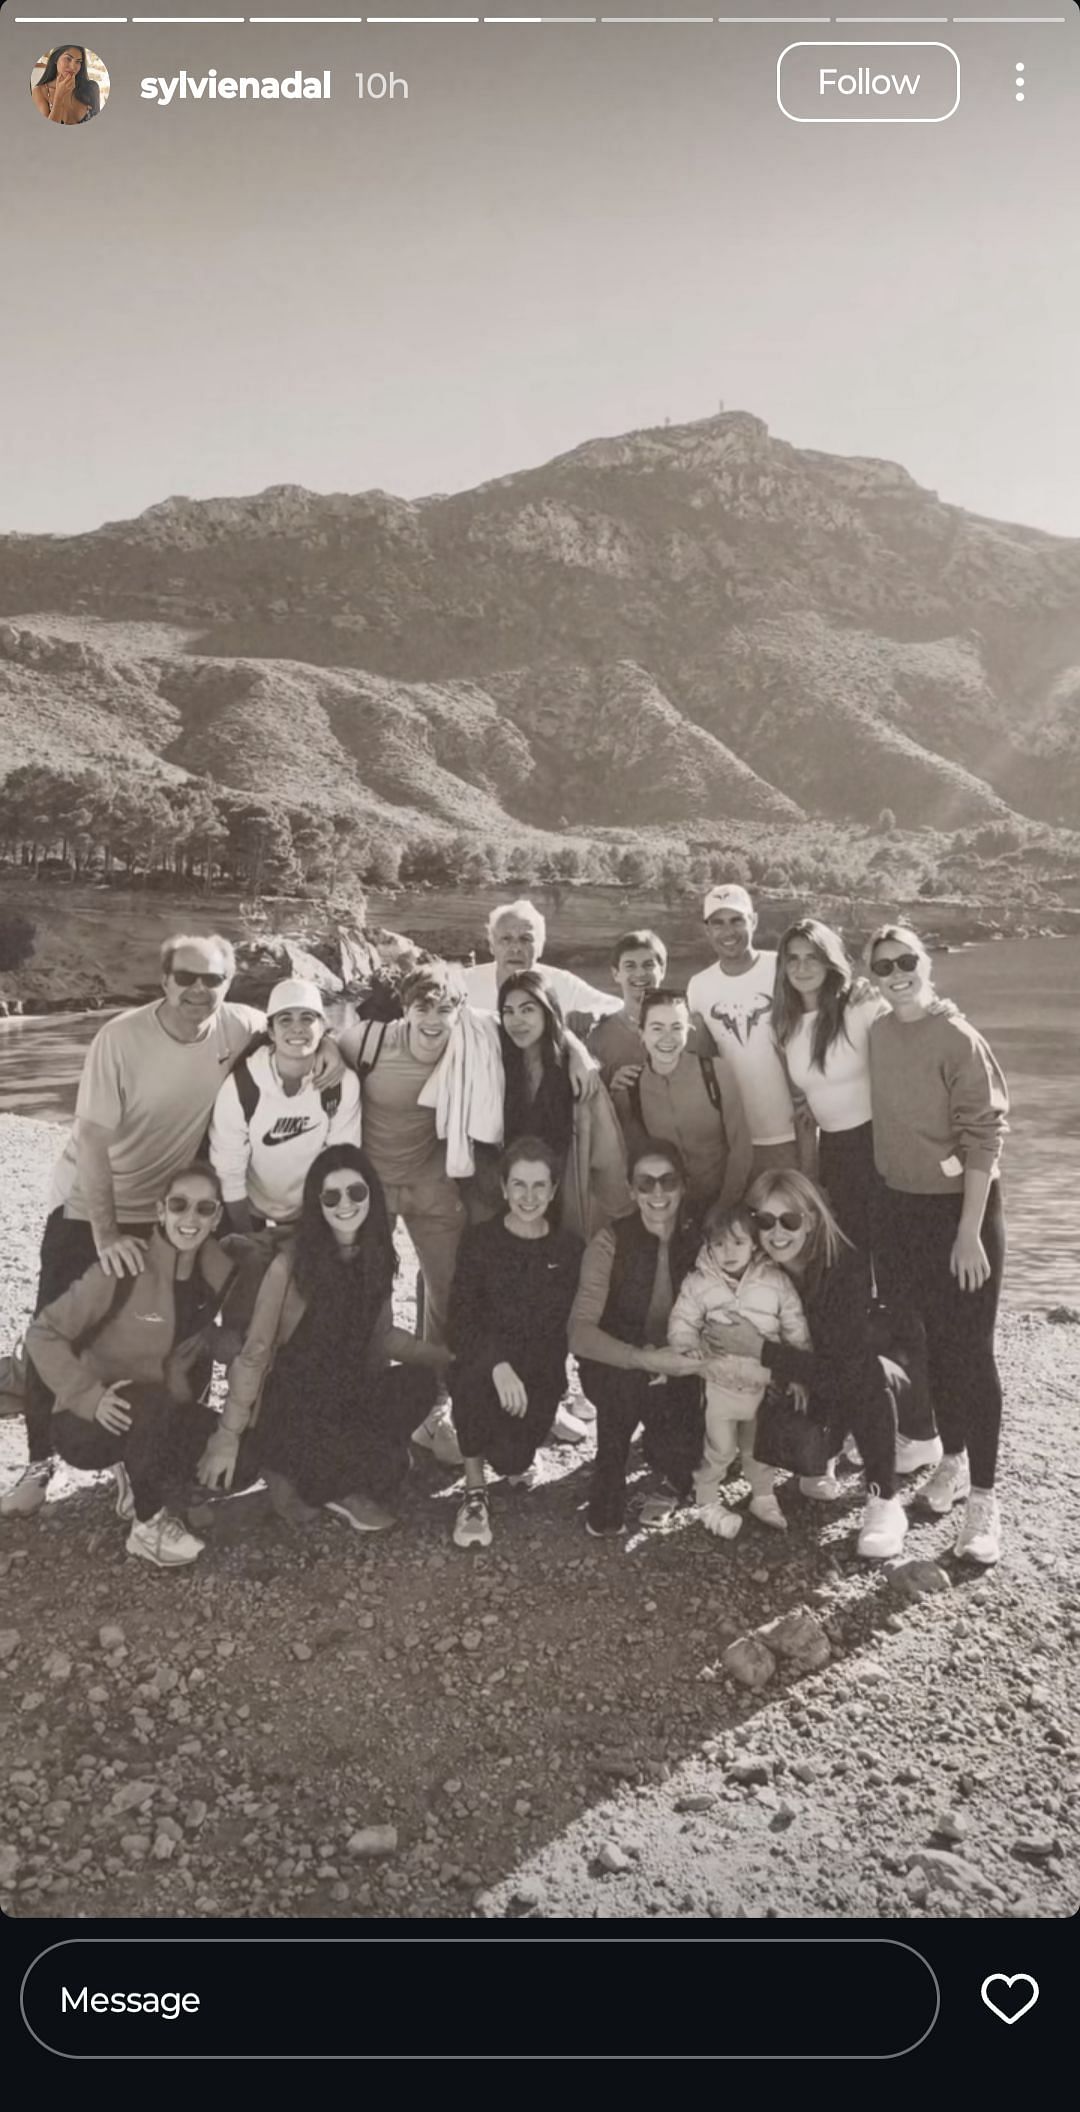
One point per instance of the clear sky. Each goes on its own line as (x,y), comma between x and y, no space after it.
(566,231)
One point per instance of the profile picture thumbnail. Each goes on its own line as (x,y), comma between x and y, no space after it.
(70,84)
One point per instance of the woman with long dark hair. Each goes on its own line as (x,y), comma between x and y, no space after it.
(65,93)
(940,1107)
(325,1415)
(539,1101)
(822,1016)
(631,1275)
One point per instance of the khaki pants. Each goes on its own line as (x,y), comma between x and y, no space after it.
(434,1217)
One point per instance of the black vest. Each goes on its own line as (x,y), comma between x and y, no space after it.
(633,1273)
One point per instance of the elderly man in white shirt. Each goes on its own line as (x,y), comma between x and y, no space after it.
(516,934)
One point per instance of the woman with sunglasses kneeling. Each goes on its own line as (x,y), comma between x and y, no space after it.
(631,1275)
(124,1357)
(850,1388)
(325,1417)
(939,1104)
(515,1283)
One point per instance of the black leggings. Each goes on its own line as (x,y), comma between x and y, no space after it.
(161,1450)
(326,1454)
(915,1234)
(672,1415)
(484,1428)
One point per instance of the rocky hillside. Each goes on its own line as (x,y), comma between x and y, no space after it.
(691,623)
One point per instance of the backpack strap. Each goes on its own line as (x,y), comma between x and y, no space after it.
(122,1290)
(366,1056)
(247,1092)
(711,1083)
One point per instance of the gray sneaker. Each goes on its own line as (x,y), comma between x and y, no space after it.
(364,1515)
(163,1542)
(472,1526)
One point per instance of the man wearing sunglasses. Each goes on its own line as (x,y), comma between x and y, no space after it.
(145,1099)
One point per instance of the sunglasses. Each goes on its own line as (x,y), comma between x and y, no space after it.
(332,1198)
(886,962)
(178,1204)
(648,1183)
(186,978)
(767,1220)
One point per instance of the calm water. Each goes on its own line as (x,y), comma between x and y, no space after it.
(1024,995)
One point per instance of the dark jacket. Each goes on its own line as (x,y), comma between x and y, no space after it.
(843,1371)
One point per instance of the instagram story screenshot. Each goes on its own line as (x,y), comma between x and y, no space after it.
(539,1029)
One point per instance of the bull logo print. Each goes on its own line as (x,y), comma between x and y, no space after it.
(740,1026)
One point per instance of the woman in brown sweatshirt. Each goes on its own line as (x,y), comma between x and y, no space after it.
(939,1104)
(124,1358)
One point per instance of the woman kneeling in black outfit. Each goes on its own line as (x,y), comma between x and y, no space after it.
(325,1416)
(630,1278)
(513,1288)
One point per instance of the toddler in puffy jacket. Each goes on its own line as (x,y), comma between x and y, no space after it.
(730,1280)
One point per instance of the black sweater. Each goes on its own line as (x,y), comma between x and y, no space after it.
(511,1299)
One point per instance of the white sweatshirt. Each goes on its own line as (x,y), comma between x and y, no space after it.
(266,1164)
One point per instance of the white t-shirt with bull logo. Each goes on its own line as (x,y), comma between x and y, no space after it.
(737,1010)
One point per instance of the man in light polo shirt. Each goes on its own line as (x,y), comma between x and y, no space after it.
(145,1099)
(732,1005)
(516,934)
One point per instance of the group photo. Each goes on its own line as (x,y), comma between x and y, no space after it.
(539,986)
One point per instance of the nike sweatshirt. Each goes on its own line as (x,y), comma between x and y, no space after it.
(265,1162)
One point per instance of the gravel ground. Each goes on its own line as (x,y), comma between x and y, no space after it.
(313,1724)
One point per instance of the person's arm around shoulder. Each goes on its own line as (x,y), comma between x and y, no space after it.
(346,1122)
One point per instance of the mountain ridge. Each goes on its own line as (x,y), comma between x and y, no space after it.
(656,628)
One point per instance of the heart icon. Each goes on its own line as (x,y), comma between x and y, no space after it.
(1005,1982)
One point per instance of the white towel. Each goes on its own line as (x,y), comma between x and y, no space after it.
(466,1090)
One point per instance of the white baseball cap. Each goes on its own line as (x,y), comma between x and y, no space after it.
(295,996)
(728,898)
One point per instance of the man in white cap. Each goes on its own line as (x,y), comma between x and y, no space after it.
(271,1119)
(732,1004)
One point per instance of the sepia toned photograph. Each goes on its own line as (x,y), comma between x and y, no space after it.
(539,996)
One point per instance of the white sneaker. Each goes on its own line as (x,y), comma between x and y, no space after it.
(883,1529)
(437,1434)
(915,1452)
(568,1429)
(472,1527)
(979,1538)
(946,1487)
(718,1519)
(821,1488)
(163,1541)
(125,1501)
(27,1494)
(852,1452)
(768,1511)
